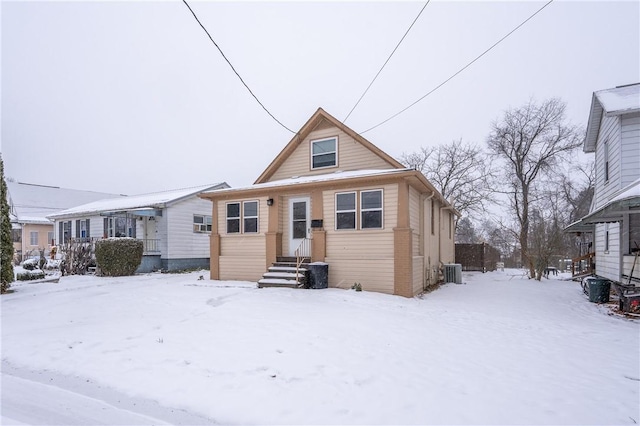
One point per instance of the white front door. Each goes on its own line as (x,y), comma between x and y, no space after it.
(298,222)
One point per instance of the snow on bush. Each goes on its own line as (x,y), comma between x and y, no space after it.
(118,256)
(30,264)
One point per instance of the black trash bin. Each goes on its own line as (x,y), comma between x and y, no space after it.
(318,275)
(599,289)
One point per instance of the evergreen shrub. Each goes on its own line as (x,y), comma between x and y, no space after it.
(117,257)
(30,275)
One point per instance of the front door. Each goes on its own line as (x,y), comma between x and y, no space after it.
(298,222)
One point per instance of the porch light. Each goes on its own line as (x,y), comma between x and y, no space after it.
(270,201)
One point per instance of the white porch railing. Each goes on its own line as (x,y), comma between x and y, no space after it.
(302,252)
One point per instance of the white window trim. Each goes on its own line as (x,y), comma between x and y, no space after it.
(335,138)
(37,235)
(380,209)
(203,225)
(354,211)
(257,217)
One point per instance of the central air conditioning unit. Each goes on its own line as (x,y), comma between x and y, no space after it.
(453,273)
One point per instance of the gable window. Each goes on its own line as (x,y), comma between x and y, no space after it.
(250,214)
(324,153)
(233,218)
(606,161)
(371,209)
(201,223)
(346,210)
(33,238)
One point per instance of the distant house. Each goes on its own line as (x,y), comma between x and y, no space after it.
(334,197)
(174,226)
(613,135)
(29,205)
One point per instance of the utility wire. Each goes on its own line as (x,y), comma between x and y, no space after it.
(234,70)
(461,69)
(385,62)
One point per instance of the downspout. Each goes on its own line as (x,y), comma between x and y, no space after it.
(427,266)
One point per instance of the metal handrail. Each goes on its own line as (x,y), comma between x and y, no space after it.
(302,252)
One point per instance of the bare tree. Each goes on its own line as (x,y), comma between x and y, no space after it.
(460,171)
(530,141)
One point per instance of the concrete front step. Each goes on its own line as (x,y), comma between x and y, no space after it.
(284,275)
(286,269)
(277,282)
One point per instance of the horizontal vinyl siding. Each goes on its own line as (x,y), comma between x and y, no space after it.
(414,219)
(243,245)
(360,245)
(243,256)
(609,131)
(630,146)
(418,274)
(390,209)
(372,274)
(351,156)
(241,268)
(608,264)
(183,243)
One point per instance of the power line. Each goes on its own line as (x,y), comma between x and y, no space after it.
(234,70)
(385,62)
(461,69)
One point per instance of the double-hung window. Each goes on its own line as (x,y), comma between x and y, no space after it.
(371,209)
(245,213)
(233,218)
(324,153)
(250,216)
(346,210)
(201,223)
(33,238)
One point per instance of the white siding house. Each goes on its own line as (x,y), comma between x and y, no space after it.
(613,135)
(175,226)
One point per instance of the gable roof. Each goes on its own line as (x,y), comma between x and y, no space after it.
(156,200)
(31,203)
(321,118)
(610,102)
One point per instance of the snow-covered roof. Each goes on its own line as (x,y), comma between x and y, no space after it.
(154,200)
(610,102)
(629,192)
(31,203)
(299,180)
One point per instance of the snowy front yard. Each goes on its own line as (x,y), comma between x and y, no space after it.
(171,348)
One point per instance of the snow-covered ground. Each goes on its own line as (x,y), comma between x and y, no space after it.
(159,348)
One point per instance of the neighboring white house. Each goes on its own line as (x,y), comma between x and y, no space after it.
(175,226)
(613,135)
(29,205)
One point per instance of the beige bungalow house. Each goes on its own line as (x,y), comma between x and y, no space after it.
(334,197)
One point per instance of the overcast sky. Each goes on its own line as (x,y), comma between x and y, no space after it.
(132,97)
